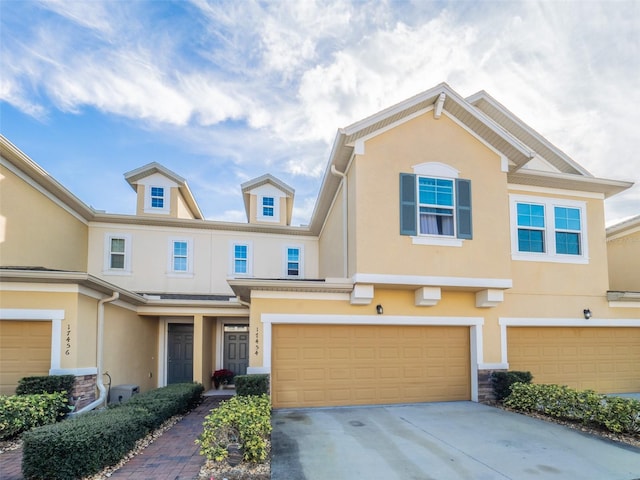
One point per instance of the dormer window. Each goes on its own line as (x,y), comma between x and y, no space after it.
(157,197)
(267,206)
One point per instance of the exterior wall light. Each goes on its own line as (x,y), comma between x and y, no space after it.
(587,313)
(379,309)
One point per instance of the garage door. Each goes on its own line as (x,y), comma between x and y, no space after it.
(603,359)
(26,351)
(330,365)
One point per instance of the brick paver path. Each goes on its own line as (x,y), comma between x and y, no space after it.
(173,456)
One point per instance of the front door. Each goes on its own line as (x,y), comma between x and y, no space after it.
(180,358)
(236,349)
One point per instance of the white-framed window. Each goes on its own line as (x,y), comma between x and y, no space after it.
(293,261)
(269,208)
(548,229)
(241,258)
(180,256)
(435,209)
(157,199)
(117,254)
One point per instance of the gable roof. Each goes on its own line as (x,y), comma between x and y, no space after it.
(488,120)
(132,177)
(267,179)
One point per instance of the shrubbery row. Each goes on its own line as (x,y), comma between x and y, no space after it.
(19,413)
(86,444)
(254,384)
(616,414)
(45,384)
(502,381)
(243,419)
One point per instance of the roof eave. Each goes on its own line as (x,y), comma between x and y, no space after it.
(566,181)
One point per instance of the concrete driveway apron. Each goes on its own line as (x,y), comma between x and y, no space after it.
(440,441)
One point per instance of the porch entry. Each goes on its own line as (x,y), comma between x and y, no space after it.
(236,348)
(180,353)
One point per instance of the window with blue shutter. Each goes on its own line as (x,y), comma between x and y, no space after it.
(433,206)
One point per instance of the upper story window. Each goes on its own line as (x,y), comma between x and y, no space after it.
(435,210)
(157,197)
(180,255)
(241,259)
(548,229)
(293,261)
(267,206)
(117,258)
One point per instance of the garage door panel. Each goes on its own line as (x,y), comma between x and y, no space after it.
(26,351)
(376,365)
(603,359)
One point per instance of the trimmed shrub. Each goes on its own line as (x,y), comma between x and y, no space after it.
(254,384)
(616,414)
(247,419)
(45,384)
(19,413)
(81,446)
(502,381)
(84,445)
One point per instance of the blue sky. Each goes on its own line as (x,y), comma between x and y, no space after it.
(221,92)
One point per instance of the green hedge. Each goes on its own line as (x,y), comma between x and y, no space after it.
(254,384)
(616,414)
(20,413)
(246,420)
(84,445)
(502,381)
(45,384)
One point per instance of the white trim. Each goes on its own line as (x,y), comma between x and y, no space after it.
(178,273)
(550,254)
(615,304)
(437,240)
(54,316)
(275,218)
(341,297)
(505,322)
(166,198)
(232,245)
(285,255)
(555,191)
(39,287)
(493,366)
(435,169)
(163,345)
(107,270)
(474,323)
(426,281)
(74,371)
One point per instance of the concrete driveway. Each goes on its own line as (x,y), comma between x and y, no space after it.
(441,441)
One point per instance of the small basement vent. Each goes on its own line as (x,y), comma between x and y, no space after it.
(122,393)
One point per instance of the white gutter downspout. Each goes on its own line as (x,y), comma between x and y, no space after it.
(99,354)
(345,233)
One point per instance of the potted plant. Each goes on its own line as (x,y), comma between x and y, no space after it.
(222,377)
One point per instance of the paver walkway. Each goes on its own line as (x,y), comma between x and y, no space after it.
(173,456)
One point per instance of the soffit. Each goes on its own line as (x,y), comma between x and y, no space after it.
(568,182)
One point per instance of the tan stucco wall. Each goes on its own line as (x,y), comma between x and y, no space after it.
(130,347)
(331,241)
(380,247)
(624,261)
(35,231)
(211,257)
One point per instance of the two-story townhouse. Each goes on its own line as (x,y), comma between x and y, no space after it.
(448,240)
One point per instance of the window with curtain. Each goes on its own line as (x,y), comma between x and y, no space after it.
(436,206)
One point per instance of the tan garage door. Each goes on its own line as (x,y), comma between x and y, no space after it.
(26,351)
(603,359)
(327,365)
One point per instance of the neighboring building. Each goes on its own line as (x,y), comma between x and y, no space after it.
(623,251)
(448,240)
